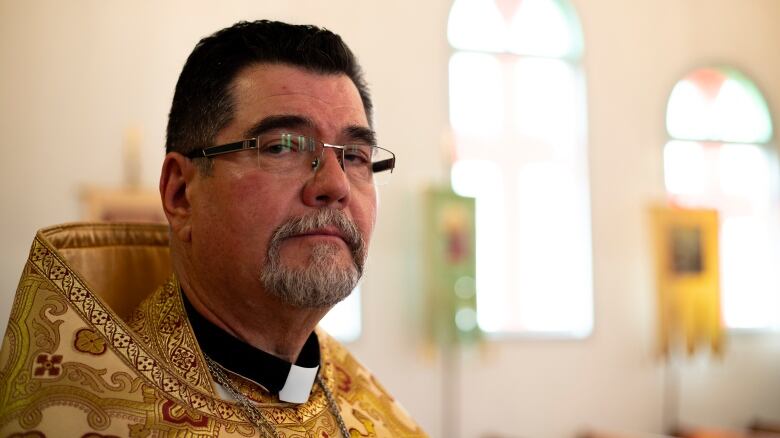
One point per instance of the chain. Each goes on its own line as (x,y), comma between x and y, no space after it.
(254,414)
(334,408)
(249,409)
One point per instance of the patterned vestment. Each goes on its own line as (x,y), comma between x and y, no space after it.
(77,361)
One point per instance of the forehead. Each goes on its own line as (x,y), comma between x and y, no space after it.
(331,101)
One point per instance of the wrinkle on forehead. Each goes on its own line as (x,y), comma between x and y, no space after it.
(331,101)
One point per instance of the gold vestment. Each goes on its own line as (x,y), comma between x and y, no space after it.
(96,348)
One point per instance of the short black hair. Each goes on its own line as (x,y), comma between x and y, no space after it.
(203,103)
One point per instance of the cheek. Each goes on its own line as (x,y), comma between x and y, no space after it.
(251,215)
(237,218)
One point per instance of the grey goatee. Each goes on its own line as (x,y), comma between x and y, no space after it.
(321,282)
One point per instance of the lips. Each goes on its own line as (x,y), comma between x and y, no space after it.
(324,223)
(327,232)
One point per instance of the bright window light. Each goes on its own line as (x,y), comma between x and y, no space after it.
(546,104)
(476,94)
(749,273)
(542,28)
(685,168)
(718,105)
(484,180)
(687,114)
(745,172)
(518,117)
(552,265)
(476,25)
(730,167)
(739,115)
(344,322)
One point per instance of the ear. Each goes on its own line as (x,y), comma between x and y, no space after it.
(176,176)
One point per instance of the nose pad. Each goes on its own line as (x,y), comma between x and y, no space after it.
(317,162)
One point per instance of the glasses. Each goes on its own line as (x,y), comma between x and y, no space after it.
(292,153)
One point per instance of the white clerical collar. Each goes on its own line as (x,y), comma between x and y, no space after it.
(298,385)
(291,381)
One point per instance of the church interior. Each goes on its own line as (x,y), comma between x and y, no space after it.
(605,172)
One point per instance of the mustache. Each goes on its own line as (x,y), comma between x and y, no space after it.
(320,219)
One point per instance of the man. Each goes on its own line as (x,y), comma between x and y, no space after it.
(269,187)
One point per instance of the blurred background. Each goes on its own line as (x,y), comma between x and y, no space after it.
(567,120)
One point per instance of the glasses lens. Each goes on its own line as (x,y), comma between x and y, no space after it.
(299,154)
(285,153)
(367,164)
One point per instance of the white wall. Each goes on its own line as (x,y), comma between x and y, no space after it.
(75,75)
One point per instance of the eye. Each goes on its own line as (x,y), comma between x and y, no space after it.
(277,146)
(275,149)
(358,155)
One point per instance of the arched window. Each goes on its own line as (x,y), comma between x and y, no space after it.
(719,156)
(517,110)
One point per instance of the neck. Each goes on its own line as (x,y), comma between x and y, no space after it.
(264,323)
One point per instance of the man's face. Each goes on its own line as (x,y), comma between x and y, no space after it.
(239,208)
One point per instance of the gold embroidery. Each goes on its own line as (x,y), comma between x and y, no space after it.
(147,377)
(367,424)
(89,341)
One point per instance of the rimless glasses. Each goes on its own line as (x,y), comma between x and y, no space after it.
(293,153)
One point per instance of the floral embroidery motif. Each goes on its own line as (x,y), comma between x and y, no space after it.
(170,384)
(183,358)
(99,317)
(144,363)
(48,364)
(57,272)
(77,294)
(121,340)
(89,341)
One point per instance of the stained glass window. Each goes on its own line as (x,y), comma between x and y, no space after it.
(719,156)
(718,105)
(517,110)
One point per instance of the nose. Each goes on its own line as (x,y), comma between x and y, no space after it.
(328,186)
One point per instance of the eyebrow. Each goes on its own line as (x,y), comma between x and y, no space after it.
(284,121)
(356,132)
(297,123)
